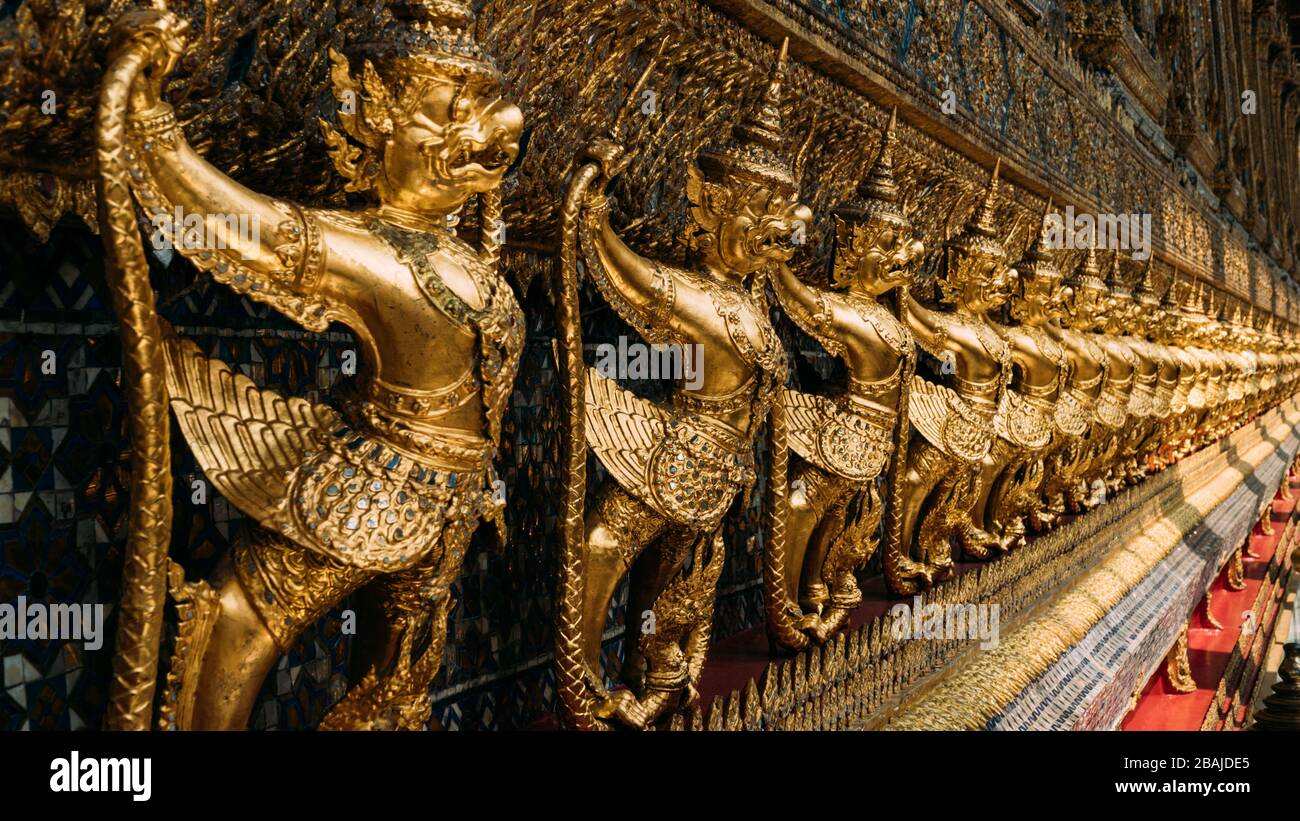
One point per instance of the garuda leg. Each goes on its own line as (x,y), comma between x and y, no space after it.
(673,644)
(906,567)
(398,657)
(267,590)
(617,530)
(815,518)
(850,537)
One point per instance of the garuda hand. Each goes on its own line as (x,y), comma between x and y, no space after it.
(161,37)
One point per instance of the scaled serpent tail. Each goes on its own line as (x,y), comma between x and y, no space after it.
(144,577)
(775,600)
(898,468)
(569,660)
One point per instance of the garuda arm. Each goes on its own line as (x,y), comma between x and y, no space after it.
(810,308)
(926,326)
(269,250)
(642,291)
(243,437)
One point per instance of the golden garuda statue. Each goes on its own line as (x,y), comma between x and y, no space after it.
(1154,451)
(1078,420)
(1199,331)
(380,490)
(1147,329)
(1113,404)
(674,468)
(821,534)
(1194,375)
(1140,306)
(955,424)
(1217,335)
(1176,376)
(1031,410)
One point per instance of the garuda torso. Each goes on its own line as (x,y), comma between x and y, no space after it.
(1113,404)
(1201,393)
(1146,374)
(1089,369)
(960,422)
(1028,411)
(372,481)
(850,434)
(1167,379)
(686,461)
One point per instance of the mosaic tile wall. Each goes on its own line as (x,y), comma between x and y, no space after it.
(64,456)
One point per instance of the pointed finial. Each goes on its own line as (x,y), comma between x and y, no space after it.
(757,145)
(1170,298)
(1146,286)
(878,195)
(1088,274)
(1044,234)
(1038,257)
(879,183)
(1192,302)
(985,219)
(1115,275)
(801,156)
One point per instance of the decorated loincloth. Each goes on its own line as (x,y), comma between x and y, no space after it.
(958,427)
(841,437)
(685,466)
(1025,421)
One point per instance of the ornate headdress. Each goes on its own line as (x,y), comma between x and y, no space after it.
(1146,291)
(1192,303)
(1169,302)
(425,40)
(1115,280)
(1037,262)
(1088,274)
(1037,265)
(756,150)
(978,239)
(876,202)
(877,196)
(431,38)
(980,236)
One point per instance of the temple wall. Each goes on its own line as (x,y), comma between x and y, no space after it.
(1099,114)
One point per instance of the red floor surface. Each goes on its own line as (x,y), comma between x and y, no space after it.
(1209,648)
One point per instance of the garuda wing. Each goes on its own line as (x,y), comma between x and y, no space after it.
(624,430)
(948,422)
(803,418)
(676,463)
(846,444)
(247,439)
